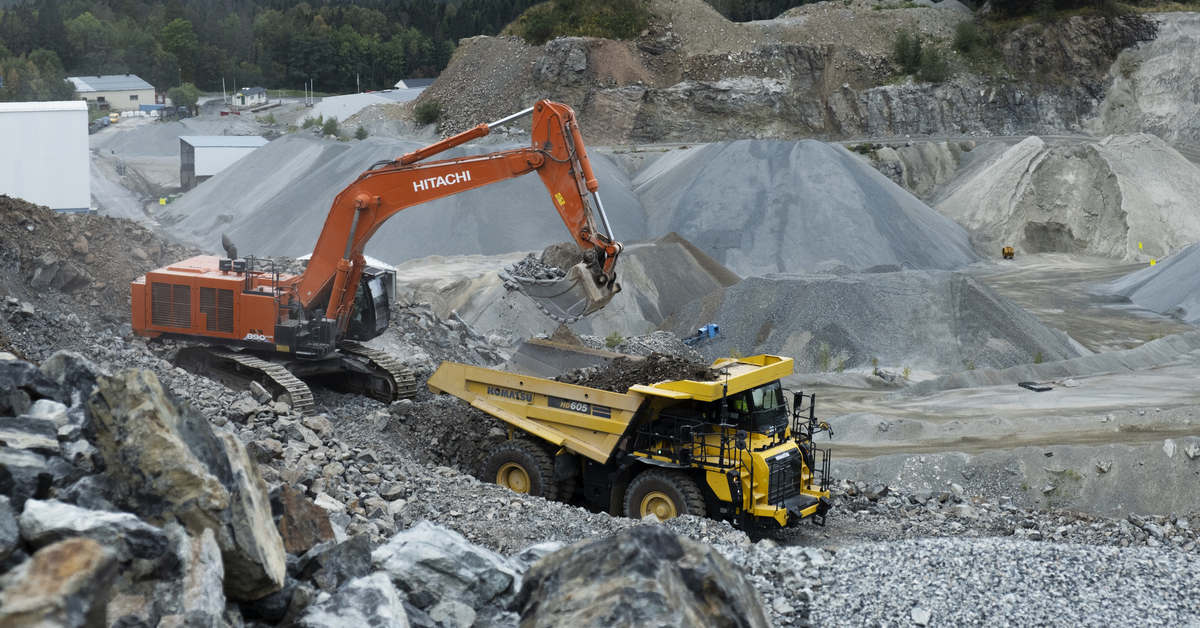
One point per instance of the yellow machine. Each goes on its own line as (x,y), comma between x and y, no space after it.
(114,118)
(727,449)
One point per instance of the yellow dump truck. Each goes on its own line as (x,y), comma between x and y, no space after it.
(728,449)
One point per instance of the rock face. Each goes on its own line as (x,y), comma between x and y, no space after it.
(174,465)
(1150,87)
(64,584)
(673,85)
(1133,198)
(645,576)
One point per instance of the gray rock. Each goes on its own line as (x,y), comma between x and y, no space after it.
(920,616)
(93,492)
(74,376)
(644,576)
(64,585)
(10,533)
(46,522)
(331,565)
(173,464)
(370,601)
(453,614)
(203,592)
(24,475)
(243,408)
(30,434)
(446,565)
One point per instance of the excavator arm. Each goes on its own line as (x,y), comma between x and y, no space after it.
(558,156)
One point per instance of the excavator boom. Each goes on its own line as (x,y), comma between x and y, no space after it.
(558,156)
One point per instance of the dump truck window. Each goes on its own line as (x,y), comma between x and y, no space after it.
(760,410)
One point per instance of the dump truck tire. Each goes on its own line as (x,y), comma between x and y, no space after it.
(665,494)
(523,467)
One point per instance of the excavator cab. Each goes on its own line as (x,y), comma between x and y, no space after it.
(372,307)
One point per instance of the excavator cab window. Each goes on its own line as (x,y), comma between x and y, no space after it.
(760,410)
(371,310)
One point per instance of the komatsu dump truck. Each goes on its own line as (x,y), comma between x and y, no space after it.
(727,449)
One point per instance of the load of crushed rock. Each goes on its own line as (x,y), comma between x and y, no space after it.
(931,320)
(622,373)
(1127,197)
(1171,287)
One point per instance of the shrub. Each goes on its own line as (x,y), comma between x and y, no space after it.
(360,133)
(291,128)
(331,126)
(907,371)
(966,37)
(614,340)
(1037,357)
(270,118)
(428,112)
(735,354)
(915,57)
(823,357)
(311,122)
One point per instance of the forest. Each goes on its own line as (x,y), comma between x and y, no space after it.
(277,44)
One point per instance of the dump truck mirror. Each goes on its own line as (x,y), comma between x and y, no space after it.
(740,439)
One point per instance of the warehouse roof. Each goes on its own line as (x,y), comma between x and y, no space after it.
(250,91)
(54,105)
(111,83)
(224,141)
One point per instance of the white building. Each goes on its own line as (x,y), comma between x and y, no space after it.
(118,92)
(44,153)
(202,156)
(250,97)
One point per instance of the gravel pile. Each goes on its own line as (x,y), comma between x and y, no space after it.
(934,320)
(483,82)
(1001,582)
(1171,287)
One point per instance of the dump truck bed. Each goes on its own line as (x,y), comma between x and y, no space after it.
(587,421)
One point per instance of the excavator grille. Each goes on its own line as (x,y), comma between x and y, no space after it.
(171,305)
(218,305)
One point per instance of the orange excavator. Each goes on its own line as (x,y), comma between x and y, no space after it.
(279,330)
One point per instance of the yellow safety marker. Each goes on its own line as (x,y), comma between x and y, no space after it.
(1139,245)
(1151,262)
(162,201)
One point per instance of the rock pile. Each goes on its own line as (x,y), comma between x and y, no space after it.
(622,373)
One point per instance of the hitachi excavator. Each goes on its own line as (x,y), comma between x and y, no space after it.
(255,324)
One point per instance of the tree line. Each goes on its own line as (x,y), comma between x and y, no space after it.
(277,44)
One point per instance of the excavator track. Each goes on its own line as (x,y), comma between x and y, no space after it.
(215,363)
(404,383)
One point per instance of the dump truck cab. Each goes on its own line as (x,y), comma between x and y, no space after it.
(728,449)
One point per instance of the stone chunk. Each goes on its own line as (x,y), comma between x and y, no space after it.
(369,601)
(46,522)
(1192,451)
(175,465)
(446,565)
(644,576)
(30,434)
(23,475)
(64,585)
(10,533)
(332,565)
(302,524)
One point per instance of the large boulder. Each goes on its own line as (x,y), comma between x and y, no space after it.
(173,464)
(645,576)
(46,522)
(64,585)
(447,566)
(368,601)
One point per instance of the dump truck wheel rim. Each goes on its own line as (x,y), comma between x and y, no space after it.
(657,503)
(513,477)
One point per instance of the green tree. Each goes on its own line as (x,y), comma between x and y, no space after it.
(185,95)
(179,39)
(331,126)
(360,133)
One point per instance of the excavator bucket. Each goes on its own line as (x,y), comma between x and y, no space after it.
(565,299)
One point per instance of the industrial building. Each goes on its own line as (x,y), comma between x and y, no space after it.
(118,92)
(202,156)
(44,159)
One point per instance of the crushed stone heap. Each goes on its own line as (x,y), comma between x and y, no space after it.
(1127,197)
(1171,287)
(935,320)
